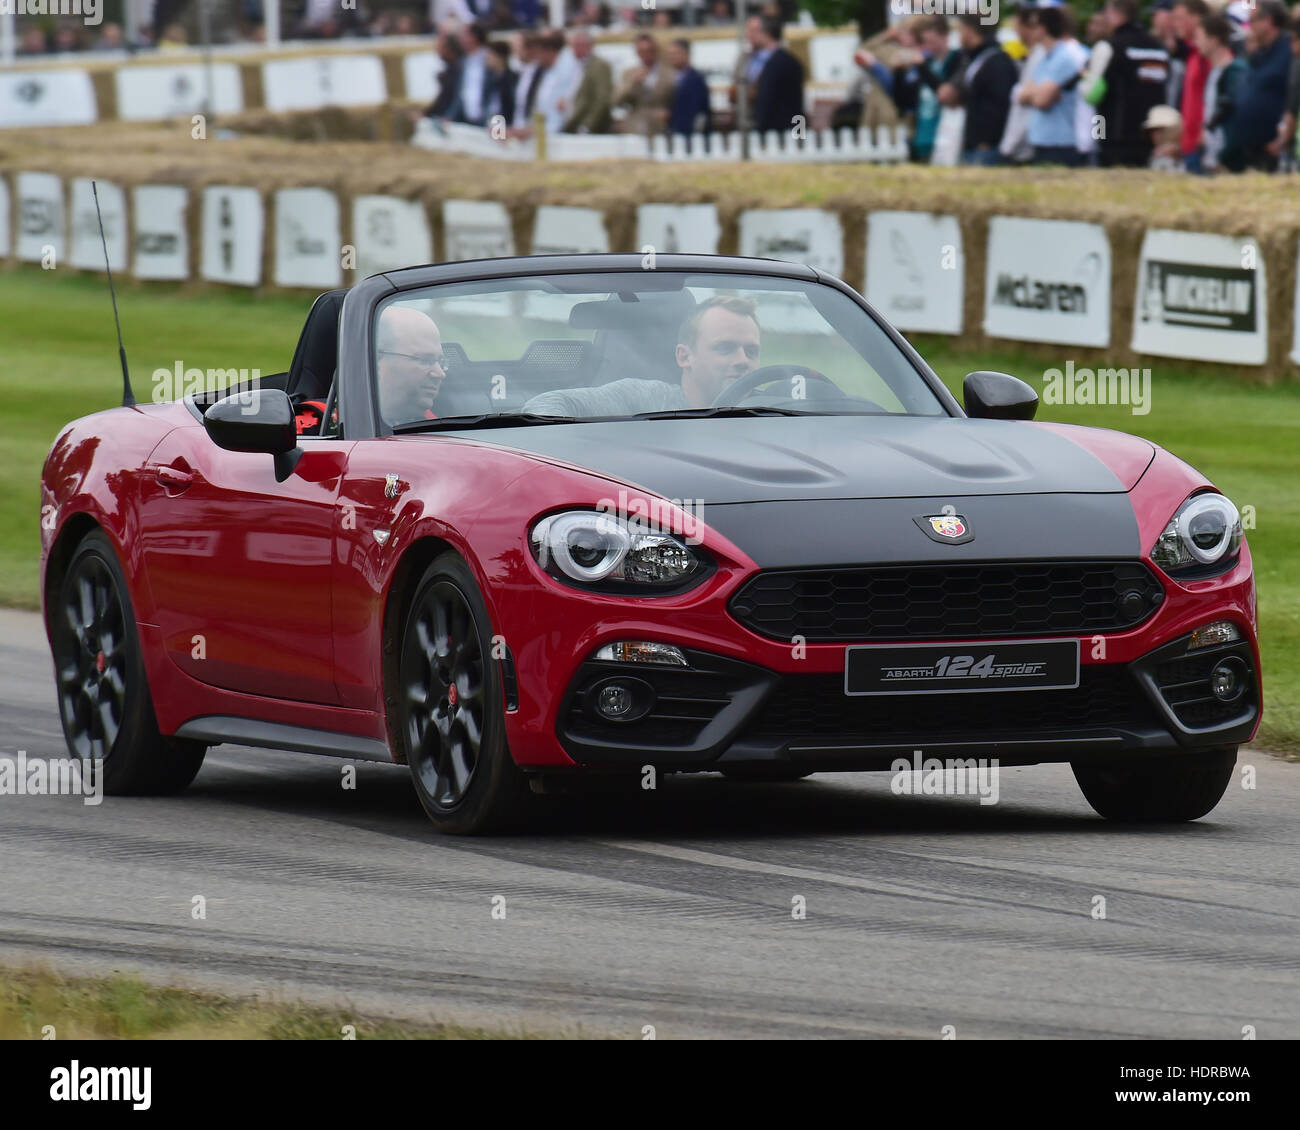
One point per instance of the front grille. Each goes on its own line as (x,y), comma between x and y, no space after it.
(815,706)
(956,601)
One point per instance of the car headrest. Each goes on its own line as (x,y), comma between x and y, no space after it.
(312,370)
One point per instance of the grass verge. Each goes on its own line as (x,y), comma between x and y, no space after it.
(33,1001)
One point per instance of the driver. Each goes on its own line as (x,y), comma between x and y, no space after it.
(409,360)
(716,344)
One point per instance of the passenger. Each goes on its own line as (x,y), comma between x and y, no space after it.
(409,360)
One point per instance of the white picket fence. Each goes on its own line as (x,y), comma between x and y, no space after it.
(883,145)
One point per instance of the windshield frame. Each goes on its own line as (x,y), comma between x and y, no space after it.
(358,376)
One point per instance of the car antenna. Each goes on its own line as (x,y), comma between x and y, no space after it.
(128,398)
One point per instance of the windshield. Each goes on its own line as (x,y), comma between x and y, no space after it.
(634,344)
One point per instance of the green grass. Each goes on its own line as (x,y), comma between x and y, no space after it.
(58,362)
(124,1008)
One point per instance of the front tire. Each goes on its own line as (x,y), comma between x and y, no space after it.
(1169,790)
(451,708)
(104,700)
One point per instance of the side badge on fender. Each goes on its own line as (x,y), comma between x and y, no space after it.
(952,529)
(391,489)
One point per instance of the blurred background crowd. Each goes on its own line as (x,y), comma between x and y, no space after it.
(1187,85)
(178,23)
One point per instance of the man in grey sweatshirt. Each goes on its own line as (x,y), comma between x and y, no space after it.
(717,343)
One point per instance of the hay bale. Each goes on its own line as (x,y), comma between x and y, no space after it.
(1125,202)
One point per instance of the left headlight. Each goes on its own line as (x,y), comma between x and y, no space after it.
(611,553)
(1206,531)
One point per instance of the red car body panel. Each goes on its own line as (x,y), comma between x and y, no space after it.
(272,592)
(288,587)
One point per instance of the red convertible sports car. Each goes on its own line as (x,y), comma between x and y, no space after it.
(516,520)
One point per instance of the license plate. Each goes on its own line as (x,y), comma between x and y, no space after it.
(961,668)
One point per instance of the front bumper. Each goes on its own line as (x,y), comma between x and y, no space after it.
(765,699)
(721,712)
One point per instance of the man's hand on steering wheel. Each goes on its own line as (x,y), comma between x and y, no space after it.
(741,387)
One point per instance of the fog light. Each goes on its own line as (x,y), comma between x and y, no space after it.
(621,699)
(1207,635)
(1228,680)
(615,701)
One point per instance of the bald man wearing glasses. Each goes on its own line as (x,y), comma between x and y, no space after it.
(409,360)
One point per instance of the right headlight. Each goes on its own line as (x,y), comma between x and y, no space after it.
(610,553)
(1205,532)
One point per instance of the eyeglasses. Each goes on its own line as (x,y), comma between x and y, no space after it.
(424,360)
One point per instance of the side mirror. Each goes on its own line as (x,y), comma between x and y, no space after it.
(998,396)
(259,420)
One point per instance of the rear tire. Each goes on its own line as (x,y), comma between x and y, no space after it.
(104,700)
(1167,790)
(451,707)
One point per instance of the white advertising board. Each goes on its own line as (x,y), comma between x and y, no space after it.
(87,252)
(159,237)
(173,90)
(39,219)
(389,232)
(420,71)
(64,97)
(476,229)
(1047,280)
(232,226)
(797,235)
(670,228)
(323,80)
(561,230)
(916,270)
(1201,296)
(308,244)
(5,219)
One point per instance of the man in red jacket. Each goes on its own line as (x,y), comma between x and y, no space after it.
(1187,17)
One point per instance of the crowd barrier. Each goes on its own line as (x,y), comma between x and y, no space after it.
(1196,295)
(882,145)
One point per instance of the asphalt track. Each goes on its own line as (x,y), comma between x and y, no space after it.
(671,909)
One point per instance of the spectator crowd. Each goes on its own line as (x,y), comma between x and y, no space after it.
(1195,85)
(179,23)
(1189,86)
(557,76)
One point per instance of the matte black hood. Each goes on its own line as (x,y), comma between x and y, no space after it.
(781,458)
(846,490)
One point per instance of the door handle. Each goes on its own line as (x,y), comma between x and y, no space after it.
(174,479)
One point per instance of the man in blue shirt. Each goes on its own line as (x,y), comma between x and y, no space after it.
(1051,92)
(474,76)
(690,110)
(774,77)
(1261,97)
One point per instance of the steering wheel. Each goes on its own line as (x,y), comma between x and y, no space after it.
(741,387)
